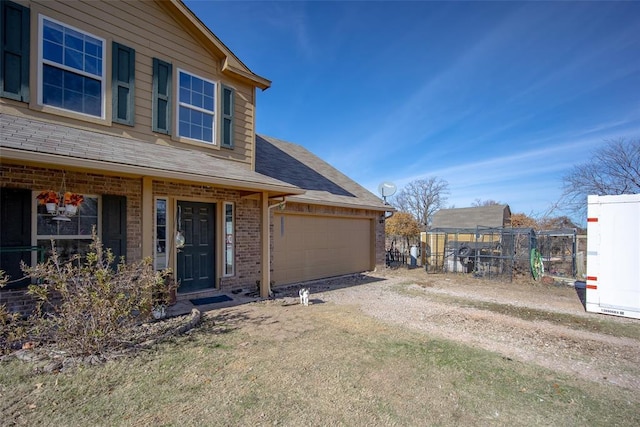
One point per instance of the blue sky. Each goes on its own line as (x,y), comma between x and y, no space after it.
(499,99)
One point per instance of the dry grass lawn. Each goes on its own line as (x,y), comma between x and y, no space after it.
(330,364)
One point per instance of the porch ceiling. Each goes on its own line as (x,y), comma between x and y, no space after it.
(37,142)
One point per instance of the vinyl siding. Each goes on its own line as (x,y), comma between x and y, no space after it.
(146,27)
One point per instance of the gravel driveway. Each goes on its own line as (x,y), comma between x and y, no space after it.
(435,305)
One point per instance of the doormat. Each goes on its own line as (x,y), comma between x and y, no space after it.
(210,300)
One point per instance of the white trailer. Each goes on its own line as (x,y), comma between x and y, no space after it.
(613,255)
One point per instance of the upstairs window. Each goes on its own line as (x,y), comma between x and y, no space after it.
(71,69)
(195,107)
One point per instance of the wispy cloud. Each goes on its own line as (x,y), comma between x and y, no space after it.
(531,177)
(499,98)
(428,110)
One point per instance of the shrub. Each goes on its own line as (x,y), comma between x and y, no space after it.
(87,307)
(12,329)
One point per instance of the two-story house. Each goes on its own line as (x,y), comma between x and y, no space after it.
(146,120)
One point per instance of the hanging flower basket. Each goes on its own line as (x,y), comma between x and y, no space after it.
(52,208)
(73,199)
(63,204)
(47,197)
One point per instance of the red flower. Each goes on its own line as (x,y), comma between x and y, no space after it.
(48,196)
(73,199)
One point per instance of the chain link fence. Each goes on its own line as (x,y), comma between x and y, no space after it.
(502,253)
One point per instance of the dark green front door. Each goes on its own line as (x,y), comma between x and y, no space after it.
(196,260)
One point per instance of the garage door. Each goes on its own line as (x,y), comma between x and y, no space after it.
(313,247)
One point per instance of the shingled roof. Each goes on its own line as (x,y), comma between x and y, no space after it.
(282,168)
(323,184)
(483,216)
(53,143)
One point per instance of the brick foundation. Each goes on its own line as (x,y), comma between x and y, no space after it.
(17,301)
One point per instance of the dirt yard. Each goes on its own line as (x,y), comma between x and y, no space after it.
(523,320)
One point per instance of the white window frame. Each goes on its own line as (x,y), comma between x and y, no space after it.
(41,62)
(156,258)
(228,243)
(212,113)
(34,225)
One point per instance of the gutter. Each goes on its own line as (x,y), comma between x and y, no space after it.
(305,199)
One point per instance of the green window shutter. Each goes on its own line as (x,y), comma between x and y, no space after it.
(14,51)
(228,106)
(123,84)
(161,96)
(114,225)
(15,209)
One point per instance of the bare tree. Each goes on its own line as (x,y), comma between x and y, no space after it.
(556,223)
(422,198)
(613,169)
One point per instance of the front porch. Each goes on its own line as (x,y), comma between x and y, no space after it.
(209,300)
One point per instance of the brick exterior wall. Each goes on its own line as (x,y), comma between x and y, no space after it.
(380,242)
(17,301)
(38,178)
(248,268)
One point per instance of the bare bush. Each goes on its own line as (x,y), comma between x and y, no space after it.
(12,329)
(86,307)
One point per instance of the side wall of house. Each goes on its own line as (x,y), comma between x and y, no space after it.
(247,239)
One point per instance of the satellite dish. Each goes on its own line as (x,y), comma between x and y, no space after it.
(387,189)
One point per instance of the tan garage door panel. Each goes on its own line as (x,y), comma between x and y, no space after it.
(312,247)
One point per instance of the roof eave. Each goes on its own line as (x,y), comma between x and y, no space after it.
(232,65)
(256,80)
(372,207)
(47,159)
